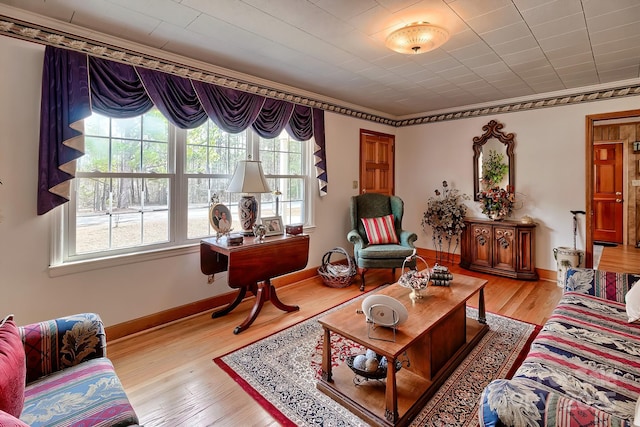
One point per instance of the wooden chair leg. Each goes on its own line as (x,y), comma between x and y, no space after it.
(362,271)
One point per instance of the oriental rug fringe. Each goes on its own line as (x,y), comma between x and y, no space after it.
(280,372)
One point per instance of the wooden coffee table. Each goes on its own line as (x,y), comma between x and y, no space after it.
(435,339)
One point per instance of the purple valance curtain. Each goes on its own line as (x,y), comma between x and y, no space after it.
(116,89)
(273,118)
(231,110)
(74,84)
(175,98)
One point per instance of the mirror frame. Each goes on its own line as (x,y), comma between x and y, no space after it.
(493,129)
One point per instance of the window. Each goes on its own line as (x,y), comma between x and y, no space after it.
(144,184)
(283,162)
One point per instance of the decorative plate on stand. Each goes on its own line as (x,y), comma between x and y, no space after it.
(384,310)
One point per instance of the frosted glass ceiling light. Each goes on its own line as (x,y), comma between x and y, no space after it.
(419,37)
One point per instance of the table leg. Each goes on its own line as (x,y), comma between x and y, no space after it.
(265,292)
(261,296)
(391,393)
(234,304)
(273,297)
(482,318)
(326,357)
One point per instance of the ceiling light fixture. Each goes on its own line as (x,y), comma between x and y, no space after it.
(419,37)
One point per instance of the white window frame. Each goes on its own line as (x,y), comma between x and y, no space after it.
(178,243)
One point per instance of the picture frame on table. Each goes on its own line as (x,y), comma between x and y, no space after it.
(273,225)
(220,218)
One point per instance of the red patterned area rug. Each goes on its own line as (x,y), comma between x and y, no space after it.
(280,372)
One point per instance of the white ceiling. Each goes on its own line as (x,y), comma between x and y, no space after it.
(499,49)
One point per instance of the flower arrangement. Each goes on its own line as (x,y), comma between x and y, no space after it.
(496,202)
(445,215)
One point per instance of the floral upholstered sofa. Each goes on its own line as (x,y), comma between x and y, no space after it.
(69,380)
(583,368)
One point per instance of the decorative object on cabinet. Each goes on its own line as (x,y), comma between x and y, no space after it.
(497,203)
(259,230)
(293,229)
(526,219)
(273,225)
(384,310)
(248,178)
(493,139)
(505,248)
(364,371)
(235,239)
(220,217)
(415,279)
(441,276)
(445,215)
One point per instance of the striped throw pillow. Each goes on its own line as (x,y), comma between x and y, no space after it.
(380,230)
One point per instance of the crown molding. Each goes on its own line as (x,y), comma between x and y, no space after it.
(561,98)
(32,27)
(35,28)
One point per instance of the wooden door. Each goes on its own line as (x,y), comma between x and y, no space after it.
(376,162)
(607,192)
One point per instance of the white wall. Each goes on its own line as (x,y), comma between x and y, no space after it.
(550,171)
(130,291)
(550,168)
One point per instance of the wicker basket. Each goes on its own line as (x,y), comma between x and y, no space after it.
(337,275)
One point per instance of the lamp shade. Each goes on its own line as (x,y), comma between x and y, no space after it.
(248,178)
(419,37)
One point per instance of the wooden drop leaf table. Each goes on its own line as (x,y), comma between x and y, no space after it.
(252,265)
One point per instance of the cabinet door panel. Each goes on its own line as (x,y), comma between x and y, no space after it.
(504,248)
(525,259)
(481,246)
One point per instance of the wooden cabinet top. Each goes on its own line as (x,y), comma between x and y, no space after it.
(507,222)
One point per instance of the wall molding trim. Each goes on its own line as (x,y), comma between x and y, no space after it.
(69,36)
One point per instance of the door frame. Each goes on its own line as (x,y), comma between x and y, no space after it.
(589,124)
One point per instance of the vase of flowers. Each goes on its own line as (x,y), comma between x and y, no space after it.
(445,215)
(497,203)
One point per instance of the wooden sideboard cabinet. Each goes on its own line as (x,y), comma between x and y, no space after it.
(505,248)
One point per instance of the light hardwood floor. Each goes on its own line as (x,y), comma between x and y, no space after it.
(622,258)
(171,379)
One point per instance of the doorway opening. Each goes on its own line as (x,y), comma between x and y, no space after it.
(612,180)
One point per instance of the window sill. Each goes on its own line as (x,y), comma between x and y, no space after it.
(114,261)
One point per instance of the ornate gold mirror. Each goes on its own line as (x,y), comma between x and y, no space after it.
(493,159)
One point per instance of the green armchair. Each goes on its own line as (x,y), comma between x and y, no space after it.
(390,255)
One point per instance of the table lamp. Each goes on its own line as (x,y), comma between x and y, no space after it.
(248,178)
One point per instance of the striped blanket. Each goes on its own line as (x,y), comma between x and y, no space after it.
(583,367)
